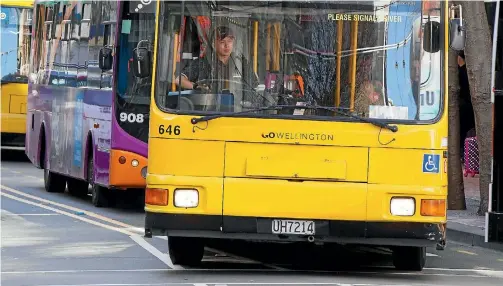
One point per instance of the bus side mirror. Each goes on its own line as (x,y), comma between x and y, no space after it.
(431,37)
(141,62)
(457,35)
(105,59)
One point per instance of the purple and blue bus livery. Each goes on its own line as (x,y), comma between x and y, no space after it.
(87,118)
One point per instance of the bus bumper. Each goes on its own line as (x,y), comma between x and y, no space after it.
(13,139)
(255,228)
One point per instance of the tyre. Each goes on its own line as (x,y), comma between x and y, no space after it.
(409,258)
(54,183)
(77,187)
(185,250)
(100,195)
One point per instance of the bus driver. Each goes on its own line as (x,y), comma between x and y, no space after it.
(202,68)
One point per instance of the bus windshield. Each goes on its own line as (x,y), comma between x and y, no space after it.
(133,92)
(365,57)
(16,39)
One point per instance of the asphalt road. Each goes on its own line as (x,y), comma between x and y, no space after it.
(57,239)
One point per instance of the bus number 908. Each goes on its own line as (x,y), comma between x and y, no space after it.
(131,117)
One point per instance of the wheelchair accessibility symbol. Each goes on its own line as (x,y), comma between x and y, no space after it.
(431,163)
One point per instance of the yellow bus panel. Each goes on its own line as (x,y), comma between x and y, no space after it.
(14,107)
(255,160)
(305,200)
(406,167)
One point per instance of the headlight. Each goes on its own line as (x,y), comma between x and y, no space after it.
(402,206)
(135,163)
(186,198)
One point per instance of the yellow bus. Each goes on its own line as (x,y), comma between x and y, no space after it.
(15,19)
(301,121)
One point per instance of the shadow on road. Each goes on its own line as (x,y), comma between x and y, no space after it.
(311,257)
(13,155)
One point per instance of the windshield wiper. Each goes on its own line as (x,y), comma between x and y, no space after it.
(338,110)
(234,114)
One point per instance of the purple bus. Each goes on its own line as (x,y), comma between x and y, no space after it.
(88,99)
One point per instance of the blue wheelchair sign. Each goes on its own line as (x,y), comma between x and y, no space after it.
(431,163)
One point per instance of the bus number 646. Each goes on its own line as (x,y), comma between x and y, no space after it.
(169,130)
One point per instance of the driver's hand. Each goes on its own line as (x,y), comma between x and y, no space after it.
(201,87)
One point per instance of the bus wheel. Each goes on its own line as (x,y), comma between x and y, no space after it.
(100,195)
(54,183)
(409,258)
(77,187)
(185,250)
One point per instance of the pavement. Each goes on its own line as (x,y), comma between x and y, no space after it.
(57,239)
(465,225)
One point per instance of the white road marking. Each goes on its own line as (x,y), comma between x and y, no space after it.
(67,214)
(226,284)
(380,250)
(140,241)
(138,230)
(34,214)
(466,252)
(461,270)
(155,252)
(13,148)
(477,275)
(127,229)
(87,213)
(80,271)
(33,177)
(490,273)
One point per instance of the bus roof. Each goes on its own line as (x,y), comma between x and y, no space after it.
(17,3)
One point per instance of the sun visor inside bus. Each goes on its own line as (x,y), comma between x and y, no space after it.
(145,6)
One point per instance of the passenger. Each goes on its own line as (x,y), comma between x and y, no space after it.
(369,93)
(226,60)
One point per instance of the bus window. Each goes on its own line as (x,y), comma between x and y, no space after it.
(85,25)
(296,53)
(16,44)
(133,93)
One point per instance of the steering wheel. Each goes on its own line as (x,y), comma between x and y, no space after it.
(209,82)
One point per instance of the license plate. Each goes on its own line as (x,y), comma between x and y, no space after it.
(280,226)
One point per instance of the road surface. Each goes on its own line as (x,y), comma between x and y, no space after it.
(58,239)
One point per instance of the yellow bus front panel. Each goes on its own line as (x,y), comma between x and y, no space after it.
(295,200)
(334,172)
(14,107)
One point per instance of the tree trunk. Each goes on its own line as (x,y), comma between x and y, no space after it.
(478,65)
(456,188)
